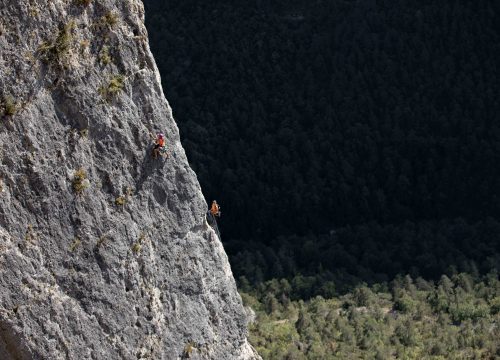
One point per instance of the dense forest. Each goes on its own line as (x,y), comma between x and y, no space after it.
(455,318)
(352,139)
(354,147)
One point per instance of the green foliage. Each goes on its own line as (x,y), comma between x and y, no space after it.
(80,181)
(188,350)
(8,106)
(56,51)
(406,334)
(113,87)
(495,305)
(75,244)
(110,19)
(405,304)
(136,247)
(352,137)
(120,201)
(104,56)
(383,254)
(466,309)
(362,296)
(323,329)
(84,133)
(84,45)
(336,169)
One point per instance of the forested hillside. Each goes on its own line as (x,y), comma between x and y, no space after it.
(457,318)
(345,140)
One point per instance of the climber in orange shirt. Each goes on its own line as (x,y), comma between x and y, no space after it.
(215,209)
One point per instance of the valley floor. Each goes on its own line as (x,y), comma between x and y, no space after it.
(455,318)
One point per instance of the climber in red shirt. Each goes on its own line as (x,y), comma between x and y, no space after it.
(159,148)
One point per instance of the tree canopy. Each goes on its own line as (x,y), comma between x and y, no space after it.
(360,135)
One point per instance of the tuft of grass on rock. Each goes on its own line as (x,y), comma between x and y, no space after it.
(116,84)
(110,19)
(188,350)
(75,244)
(56,51)
(136,247)
(80,181)
(113,87)
(84,45)
(104,56)
(120,201)
(8,106)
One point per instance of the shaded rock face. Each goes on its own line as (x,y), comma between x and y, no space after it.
(105,253)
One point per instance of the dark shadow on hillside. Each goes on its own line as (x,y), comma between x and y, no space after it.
(371,253)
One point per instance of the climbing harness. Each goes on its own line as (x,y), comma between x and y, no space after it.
(163,150)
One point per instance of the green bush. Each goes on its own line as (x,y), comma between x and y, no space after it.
(405,304)
(406,333)
(321,329)
(136,247)
(80,181)
(468,310)
(56,51)
(120,201)
(110,19)
(9,106)
(113,87)
(495,305)
(188,350)
(84,133)
(75,244)
(439,300)
(362,296)
(104,56)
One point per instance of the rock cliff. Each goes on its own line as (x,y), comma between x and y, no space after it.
(105,253)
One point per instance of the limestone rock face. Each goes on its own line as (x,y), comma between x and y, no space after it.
(105,252)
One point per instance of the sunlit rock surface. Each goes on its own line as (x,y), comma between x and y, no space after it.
(104,252)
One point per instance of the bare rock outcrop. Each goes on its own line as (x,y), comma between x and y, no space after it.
(105,253)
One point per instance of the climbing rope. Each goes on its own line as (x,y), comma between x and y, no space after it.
(212,221)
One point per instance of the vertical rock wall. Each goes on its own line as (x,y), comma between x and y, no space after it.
(104,252)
